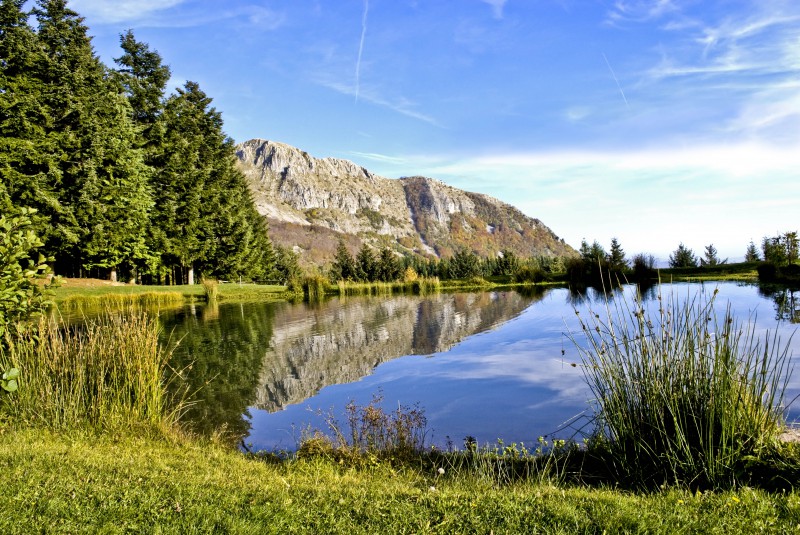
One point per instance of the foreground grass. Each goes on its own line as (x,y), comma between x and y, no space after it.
(79,482)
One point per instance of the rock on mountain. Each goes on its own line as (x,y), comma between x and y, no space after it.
(311,203)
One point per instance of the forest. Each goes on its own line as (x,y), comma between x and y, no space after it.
(118,178)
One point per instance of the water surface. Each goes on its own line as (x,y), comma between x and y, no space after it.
(489,365)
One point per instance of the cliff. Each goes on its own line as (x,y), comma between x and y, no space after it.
(311,203)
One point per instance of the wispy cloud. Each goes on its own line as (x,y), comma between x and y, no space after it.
(400,105)
(640,10)
(497,7)
(383,158)
(103,11)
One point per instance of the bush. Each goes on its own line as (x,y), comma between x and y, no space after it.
(21,296)
(682,397)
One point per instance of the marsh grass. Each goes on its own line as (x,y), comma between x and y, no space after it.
(369,432)
(683,396)
(416,286)
(104,373)
(211,289)
(121,300)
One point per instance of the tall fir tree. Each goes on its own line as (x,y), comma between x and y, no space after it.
(102,177)
(203,206)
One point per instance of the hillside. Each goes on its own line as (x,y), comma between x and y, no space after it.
(311,203)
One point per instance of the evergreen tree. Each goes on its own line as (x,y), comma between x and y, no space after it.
(464,264)
(774,250)
(388,268)
(682,257)
(205,214)
(143,77)
(616,256)
(711,258)
(344,267)
(751,255)
(366,264)
(27,166)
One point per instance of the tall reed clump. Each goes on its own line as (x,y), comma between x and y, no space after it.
(105,373)
(314,288)
(211,289)
(682,396)
(114,300)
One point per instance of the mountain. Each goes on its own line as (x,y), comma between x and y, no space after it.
(311,203)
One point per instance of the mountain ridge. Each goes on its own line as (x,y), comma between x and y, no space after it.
(311,203)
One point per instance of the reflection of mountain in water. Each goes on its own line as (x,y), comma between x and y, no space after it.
(343,340)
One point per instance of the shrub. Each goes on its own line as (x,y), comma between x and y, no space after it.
(682,397)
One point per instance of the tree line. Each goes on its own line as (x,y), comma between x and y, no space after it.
(119,178)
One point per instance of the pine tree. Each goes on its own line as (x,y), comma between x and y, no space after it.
(344,267)
(366,268)
(204,211)
(711,258)
(682,257)
(616,256)
(27,174)
(143,77)
(751,255)
(388,268)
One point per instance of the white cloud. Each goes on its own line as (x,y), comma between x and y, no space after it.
(650,199)
(103,11)
(497,7)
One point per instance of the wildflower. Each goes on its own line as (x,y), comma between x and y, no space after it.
(441,471)
(432,489)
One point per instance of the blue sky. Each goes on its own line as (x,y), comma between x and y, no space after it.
(658,122)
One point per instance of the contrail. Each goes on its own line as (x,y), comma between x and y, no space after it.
(361,47)
(621,92)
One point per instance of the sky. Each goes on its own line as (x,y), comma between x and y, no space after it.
(657,122)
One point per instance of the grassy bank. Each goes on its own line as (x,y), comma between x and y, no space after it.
(77,293)
(79,482)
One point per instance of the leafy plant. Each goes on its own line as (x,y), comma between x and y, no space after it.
(21,267)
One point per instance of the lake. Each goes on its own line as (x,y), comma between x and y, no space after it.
(488,365)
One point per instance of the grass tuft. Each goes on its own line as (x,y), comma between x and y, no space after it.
(105,373)
(683,396)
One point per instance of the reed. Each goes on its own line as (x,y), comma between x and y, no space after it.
(314,288)
(683,396)
(211,289)
(120,300)
(108,372)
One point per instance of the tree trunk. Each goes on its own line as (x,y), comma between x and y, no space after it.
(191,275)
(113,274)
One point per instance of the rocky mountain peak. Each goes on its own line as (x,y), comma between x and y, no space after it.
(312,202)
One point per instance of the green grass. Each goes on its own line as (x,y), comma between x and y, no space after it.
(80,482)
(106,372)
(683,397)
(75,296)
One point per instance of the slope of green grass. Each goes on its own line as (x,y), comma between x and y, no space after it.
(78,482)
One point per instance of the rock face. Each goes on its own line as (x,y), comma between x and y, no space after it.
(311,203)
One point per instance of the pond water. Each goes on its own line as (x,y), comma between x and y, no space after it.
(488,365)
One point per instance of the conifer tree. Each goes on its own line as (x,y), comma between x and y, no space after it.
(101,175)
(366,269)
(203,207)
(751,255)
(616,256)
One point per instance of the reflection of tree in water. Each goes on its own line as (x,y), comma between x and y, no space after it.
(219,350)
(580,295)
(785,300)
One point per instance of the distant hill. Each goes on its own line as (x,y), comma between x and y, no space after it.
(311,203)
